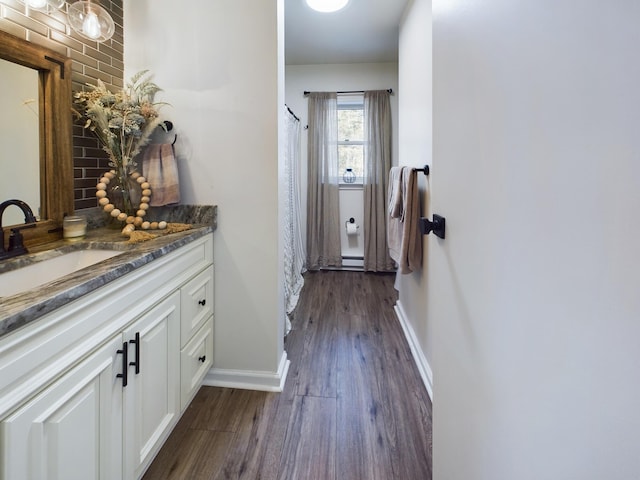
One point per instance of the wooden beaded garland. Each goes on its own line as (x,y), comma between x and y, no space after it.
(131,221)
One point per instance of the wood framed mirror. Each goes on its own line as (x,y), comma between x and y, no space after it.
(55,135)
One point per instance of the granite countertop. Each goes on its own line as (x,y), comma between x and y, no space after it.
(23,308)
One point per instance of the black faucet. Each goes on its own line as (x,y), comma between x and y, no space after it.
(16,246)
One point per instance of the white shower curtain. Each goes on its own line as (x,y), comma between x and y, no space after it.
(294,254)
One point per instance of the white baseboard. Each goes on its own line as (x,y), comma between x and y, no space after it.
(247,380)
(416,350)
(352,262)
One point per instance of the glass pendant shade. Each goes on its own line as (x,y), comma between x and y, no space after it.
(327,6)
(91,21)
(43,5)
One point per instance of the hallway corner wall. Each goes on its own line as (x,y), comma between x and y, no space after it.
(415,145)
(228,154)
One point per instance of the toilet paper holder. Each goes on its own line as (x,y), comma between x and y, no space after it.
(350,221)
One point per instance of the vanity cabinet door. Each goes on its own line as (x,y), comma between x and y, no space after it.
(152,396)
(73,428)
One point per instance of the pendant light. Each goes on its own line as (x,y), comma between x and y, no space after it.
(43,5)
(91,21)
(327,6)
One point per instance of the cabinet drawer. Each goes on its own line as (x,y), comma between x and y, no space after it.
(197,358)
(196,304)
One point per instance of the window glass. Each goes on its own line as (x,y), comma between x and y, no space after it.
(351,156)
(351,140)
(350,124)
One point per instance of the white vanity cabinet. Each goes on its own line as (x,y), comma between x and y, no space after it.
(65,412)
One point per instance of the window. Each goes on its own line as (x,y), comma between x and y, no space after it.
(351,138)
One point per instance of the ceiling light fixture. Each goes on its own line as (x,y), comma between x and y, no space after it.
(91,21)
(327,6)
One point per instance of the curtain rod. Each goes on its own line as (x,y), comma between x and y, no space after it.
(351,91)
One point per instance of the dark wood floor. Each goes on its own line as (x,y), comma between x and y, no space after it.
(353,407)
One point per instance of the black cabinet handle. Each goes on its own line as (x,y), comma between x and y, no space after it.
(202,358)
(125,363)
(137,361)
(203,302)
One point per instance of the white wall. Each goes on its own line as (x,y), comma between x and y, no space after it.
(415,138)
(533,297)
(352,206)
(333,78)
(220,65)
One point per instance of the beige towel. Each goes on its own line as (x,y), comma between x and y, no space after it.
(160,168)
(404,237)
(395,192)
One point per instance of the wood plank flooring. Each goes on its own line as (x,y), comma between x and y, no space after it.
(353,407)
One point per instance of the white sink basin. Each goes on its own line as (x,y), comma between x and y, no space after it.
(32,276)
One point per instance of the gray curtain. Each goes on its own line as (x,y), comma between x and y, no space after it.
(323,214)
(377,159)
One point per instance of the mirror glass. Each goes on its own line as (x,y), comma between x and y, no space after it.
(20,140)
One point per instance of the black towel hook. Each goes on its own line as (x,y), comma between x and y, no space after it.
(167,126)
(437,226)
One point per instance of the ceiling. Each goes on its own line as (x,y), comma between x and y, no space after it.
(365,31)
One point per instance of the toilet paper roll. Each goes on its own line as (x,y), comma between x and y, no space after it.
(352,229)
